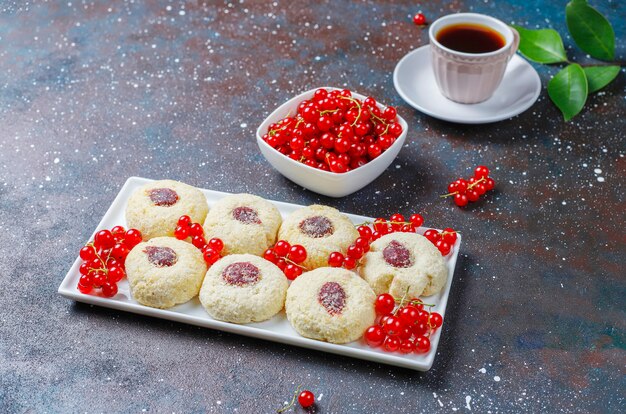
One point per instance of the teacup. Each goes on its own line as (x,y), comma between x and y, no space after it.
(470,77)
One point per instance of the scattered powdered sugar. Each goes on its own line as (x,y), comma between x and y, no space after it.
(482,371)
(496,378)
(468,399)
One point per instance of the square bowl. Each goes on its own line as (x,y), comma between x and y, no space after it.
(325,182)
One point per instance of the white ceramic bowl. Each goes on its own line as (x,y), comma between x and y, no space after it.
(325,182)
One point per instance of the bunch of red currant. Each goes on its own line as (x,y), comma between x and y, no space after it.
(405,328)
(211,251)
(104,258)
(444,241)
(465,191)
(305,398)
(334,131)
(288,258)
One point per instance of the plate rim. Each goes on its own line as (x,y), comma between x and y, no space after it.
(483,120)
(68,290)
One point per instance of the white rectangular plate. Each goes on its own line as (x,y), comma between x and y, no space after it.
(276,329)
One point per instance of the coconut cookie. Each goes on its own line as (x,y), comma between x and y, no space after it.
(155,208)
(243,288)
(400,261)
(330,304)
(164,272)
(244,222)
(321,230)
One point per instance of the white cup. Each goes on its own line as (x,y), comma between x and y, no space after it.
(470,77)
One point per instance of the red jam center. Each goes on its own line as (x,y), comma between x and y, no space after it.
(332,297)
(317,226)
(163,197)
(397,255)
(241,274)
(161,256)
(246,215)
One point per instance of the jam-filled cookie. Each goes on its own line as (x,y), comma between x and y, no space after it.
(404,263)
(155,208)
(164,272)
(330,304)
(321,230)
(243,288)
(245,223)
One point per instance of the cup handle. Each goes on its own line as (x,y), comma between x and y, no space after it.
(515,43)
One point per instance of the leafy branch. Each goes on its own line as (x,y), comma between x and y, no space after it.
(592,33)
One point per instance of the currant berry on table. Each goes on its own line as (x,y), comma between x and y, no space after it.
(103,260)
(466,191)
(419,19)
(334,131)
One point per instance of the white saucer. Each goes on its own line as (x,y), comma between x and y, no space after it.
(414,80)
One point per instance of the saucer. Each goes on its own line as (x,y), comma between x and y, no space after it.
(414,80)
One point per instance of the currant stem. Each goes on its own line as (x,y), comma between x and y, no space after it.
(293,400)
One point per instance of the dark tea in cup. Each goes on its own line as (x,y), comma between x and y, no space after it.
(470,38)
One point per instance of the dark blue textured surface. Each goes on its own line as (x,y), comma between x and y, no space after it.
(93,92)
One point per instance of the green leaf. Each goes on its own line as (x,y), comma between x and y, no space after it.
(591,31)
(543,46)
(568,90)
(600,76)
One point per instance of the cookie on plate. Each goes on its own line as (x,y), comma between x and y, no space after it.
(244,222)
(243,288)
(330,304)
(164,272)
(321,230)
(400,261)
(154,209)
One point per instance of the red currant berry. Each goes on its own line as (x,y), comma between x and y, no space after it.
(349,263)
(306,399)
(116,274)
(132,238)
(85,280)
(196,230)
(104,240)
(409,314)
(443,247)
(490,183)
(198,241)
(118,230)
(369,102)
(362,242)
(397,220)
(98,277)
(374,336)
(460,200)
(337,167)
(405,333)
(376,235)
(216,244)
(281,263)
(407,346)
(292,271)
(384,304)
(335,259)
(374,151)
(270,256)
(181,232)
(282,248)
(84,268)
(85,289)
(354,251)
(392,344)
(395,129)
(420,328)
(119,252)
(422,345)
(435,320)
(184,221)
(390,113)
(432,235)
(481,171)
(449,236)
(365,232)
(297,253)
(419,19)
(88,253)
(480,188)
(393,325)
(109,289)
(472,195)
(461,185)
(416,220)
